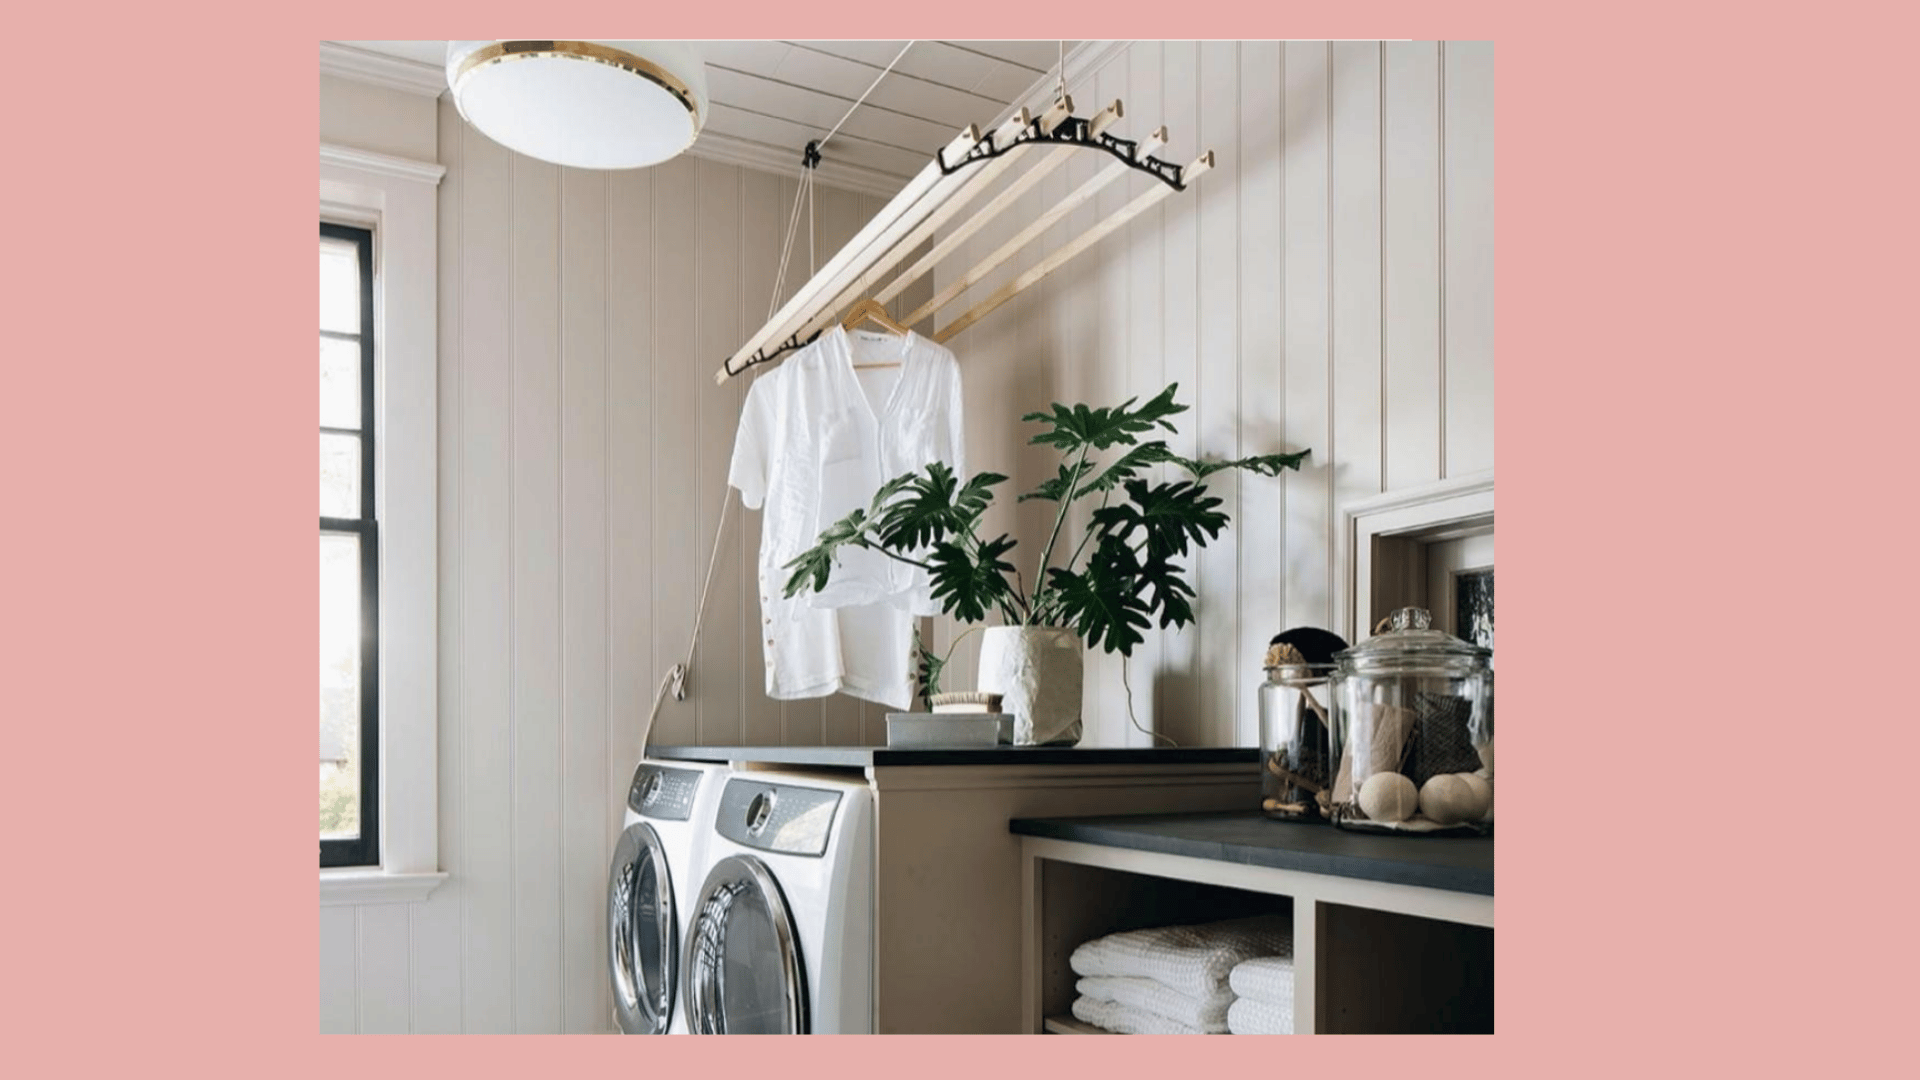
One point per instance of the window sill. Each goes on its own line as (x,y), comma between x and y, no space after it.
(371,886)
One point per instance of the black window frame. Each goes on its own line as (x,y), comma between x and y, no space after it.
(363,850)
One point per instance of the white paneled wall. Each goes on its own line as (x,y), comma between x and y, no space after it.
(583,457)
(1328,285)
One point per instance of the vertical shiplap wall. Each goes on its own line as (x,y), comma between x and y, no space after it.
(1328,285)
(583,457)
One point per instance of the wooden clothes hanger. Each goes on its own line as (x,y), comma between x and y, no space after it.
(870,310)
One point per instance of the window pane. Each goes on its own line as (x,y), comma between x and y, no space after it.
(340,476)
(339,285)
(339,686)
(339,383)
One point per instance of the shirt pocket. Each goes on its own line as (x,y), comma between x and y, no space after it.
(920,438)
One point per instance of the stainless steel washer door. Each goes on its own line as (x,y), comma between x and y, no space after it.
(742,971)
(643,933)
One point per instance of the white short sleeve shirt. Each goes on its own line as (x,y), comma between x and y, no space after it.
(818,436)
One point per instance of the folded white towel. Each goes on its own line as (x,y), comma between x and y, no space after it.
(1127,1020)
(1266,978)
(1209,1013)
(1247,1016)
(1194,960)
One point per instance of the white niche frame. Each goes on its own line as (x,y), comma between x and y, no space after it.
(1382,553)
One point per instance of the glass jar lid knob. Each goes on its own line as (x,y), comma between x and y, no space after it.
(1410,618)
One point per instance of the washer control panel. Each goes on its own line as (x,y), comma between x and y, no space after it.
(662,793)
(785,818)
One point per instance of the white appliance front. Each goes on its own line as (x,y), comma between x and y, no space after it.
(780,939)
(651,885)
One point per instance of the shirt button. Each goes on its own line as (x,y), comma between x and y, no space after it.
(769,641)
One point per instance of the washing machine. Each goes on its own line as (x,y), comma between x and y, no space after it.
(650,890)
(780,938)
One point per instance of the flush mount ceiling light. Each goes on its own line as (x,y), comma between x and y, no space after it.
(589,104)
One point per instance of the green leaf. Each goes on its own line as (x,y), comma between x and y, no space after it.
(1170,592)
(931,666)
(1130,463)
(1104,616)
(887,491)
(967,585)
(1264,464)
(934,509)
(1053,490)
(1070,429)
(1171,516)
(812,568)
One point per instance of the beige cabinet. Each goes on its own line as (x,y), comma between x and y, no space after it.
(948,870)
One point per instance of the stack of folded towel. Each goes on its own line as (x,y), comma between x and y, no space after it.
(1172,980)
(1262,997)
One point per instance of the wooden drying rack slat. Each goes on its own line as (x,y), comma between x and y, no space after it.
(970,188)
(1023,184)
(1074,200)
(865,245)
(958,175)
(1030,277)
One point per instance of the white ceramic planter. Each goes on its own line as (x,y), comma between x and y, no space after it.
(1036,671)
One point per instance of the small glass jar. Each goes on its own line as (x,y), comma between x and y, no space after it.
(1298,742)
(1416,708)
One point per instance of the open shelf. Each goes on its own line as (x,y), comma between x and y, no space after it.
(1382,972)
(1369,959)
(1080,903)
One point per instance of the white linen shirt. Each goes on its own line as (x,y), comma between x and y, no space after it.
(817,438)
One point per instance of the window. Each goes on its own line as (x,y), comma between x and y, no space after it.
(349,554)
(392,202)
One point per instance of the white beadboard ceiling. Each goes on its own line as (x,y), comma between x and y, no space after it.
(771,97)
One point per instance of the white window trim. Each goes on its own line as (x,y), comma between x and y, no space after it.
(398,198)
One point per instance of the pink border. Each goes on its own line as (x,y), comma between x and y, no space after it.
(1700,214)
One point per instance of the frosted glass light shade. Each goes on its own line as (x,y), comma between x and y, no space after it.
(589,104)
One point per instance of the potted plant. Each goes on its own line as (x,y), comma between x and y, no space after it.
(1115,583)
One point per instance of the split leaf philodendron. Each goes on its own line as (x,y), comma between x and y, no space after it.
(1118,580)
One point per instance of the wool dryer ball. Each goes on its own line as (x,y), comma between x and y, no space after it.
(1388,796)
(1447,800)
(1482,795)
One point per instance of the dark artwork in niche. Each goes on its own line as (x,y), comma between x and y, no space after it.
(1473,607)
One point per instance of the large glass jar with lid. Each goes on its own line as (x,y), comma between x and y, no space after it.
(1416,706)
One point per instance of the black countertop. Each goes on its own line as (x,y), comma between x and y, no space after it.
(1455,863)
(862,756)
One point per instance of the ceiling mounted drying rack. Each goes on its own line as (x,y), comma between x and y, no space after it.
(960,173)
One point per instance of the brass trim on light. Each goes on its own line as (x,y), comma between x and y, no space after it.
(502,51)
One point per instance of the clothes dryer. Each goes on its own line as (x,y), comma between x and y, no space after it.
(650,890)
(780,938)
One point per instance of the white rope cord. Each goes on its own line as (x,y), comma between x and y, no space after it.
(676,677)
(786,249)
(888,70)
